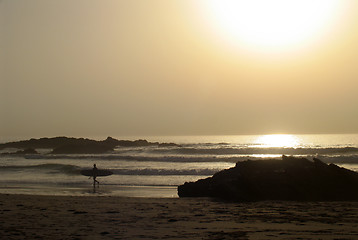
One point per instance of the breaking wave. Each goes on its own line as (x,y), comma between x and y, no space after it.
(203,153)
(256,150)
(166,172)
(49,167)
(75,170)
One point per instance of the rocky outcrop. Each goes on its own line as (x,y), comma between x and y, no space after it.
(22,152)
(46,143)
(66,145)
(92,148)
(296,179)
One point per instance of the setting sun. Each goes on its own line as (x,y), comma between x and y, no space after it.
(278,140)
(112,110)
(273,25)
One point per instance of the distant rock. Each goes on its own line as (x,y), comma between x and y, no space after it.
(111,142)
(168,145)
(27,151)
(91,148)
(296,179)
(66,145)
(46,143)
(136,143)
(22,152)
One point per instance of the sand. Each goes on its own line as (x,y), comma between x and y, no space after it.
(96,217)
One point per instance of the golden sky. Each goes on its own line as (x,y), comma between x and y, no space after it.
(179,67)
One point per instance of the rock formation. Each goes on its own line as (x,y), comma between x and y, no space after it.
(296,179)
(91,148)
(27,151)
(66,145)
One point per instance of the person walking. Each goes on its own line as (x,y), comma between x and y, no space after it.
(95,172)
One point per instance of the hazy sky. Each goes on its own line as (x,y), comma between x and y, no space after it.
(159,67)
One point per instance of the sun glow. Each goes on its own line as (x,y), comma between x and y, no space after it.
(273,24)
(278,140)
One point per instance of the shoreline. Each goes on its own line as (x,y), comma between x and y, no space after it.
(113,217)
(88,190)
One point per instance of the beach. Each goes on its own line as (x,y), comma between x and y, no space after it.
(45,196)
(111,217)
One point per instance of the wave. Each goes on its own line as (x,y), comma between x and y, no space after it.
(75,170)
(49,167)
(29,185)
(166,172)
(256,150)
(214,151)
(141,158)
(329,158)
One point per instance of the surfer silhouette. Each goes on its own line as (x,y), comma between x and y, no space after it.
(95,172)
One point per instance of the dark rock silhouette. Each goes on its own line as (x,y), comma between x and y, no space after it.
(48,143)
(296,179)
(22,152)
(66,145)
(91,148)
(167,144)
(27,151)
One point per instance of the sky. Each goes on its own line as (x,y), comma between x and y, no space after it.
(179,67)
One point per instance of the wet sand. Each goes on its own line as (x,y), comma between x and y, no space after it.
(98,217)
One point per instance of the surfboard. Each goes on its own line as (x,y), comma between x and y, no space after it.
(100,172)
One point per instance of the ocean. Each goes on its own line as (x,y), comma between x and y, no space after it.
(157,171)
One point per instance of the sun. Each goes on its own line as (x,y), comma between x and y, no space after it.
(272,24)
(278,140)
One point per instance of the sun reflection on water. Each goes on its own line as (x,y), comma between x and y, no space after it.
(278,140)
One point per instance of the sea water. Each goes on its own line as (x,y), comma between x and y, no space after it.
(157,171)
